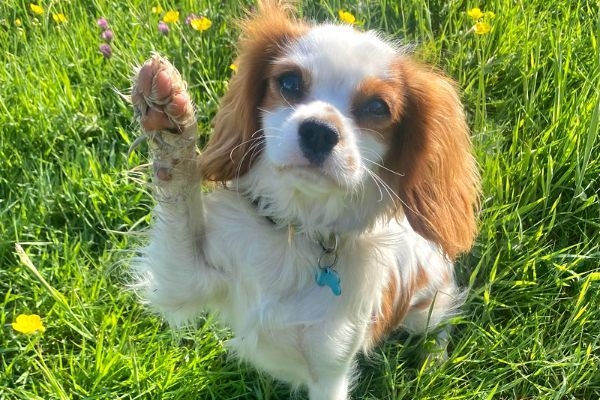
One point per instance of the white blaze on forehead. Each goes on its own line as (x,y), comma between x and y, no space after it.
(340,57)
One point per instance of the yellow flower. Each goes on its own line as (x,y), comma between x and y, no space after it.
(475,13)
(59,18)
(481,28)
(38,10)
(157,10)
(18,22)
(200,24)
(346,17)
(171,17)
(28,324)
(234,68)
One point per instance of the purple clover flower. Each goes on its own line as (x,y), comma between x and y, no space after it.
(107,35)
(163,28)
(106,50)
(189,18)
(102,23)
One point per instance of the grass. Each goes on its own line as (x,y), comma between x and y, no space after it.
(531,326)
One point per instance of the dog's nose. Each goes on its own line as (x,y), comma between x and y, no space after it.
(317,139)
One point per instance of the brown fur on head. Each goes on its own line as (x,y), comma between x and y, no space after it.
(434,173)
(437,177)
(237,133)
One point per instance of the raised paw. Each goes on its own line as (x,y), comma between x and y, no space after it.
(166,115)
(160,99)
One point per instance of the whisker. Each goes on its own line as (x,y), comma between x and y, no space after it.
(392,194)
(244,143)
(256,132)
(251,151)
(382,166)
(380,186)
(286,101)
(264,110)
(381,135)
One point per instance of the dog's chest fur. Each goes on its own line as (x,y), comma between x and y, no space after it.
(272,301)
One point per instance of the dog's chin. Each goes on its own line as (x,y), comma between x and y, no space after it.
(310,178)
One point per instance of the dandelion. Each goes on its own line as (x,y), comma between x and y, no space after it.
(37,10)
(481,28)
(157,10)
(28,324)
(59,18)
(234,68)
(106,50)
(163,28)
(475,13)
(171,17)
(107,36)
(346,17)
(18,22)
(200,24)
(102,23)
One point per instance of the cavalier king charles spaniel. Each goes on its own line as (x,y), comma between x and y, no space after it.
(342,187)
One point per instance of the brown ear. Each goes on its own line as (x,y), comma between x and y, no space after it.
(438,180)
(237,137)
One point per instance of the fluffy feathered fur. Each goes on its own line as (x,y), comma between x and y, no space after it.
(334,153)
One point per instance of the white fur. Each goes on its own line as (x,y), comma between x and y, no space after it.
(217,251)
(217,254)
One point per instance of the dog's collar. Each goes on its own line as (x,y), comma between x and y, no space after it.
(326,274)
(256,203)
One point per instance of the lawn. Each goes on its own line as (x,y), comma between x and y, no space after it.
(72,203)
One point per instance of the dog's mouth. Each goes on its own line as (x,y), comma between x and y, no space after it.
(310,177)
(316,180)
(305,172)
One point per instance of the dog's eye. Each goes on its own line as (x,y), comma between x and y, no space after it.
(376,108)
(291,85)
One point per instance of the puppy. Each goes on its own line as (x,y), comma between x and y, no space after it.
(343,188)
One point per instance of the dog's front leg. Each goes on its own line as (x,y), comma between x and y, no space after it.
(166,114)
(173,273)
(330,388)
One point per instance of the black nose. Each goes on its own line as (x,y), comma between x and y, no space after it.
(317,139)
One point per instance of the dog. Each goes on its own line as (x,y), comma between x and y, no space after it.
(342,188)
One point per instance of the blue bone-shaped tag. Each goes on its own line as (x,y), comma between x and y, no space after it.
(329,277)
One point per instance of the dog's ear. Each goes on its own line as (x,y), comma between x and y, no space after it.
(436,178)
(237,137)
